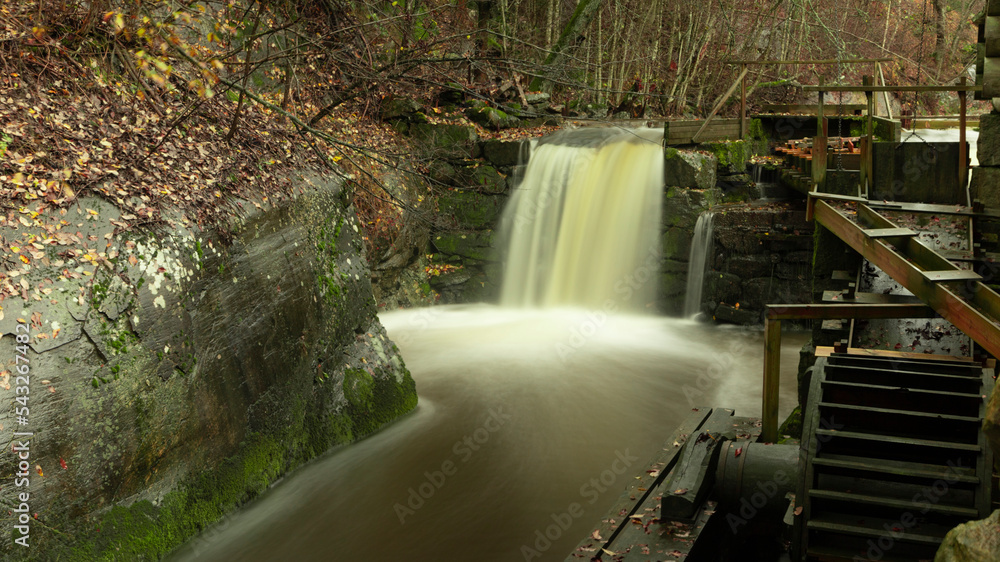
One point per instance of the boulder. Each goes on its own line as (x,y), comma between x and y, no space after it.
(689,169)
(975,541)
(447,141)
(471,209)
(503,154)
(396,108)
(491,117)
(732,156)
(475,245)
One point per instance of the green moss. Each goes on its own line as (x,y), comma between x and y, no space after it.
(374,401)
(792,427)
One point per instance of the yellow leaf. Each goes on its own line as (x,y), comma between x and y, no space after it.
(119,23)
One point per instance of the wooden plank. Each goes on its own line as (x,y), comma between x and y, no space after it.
(904,355)
(718,105)
(811,109)
(809,61)
(889,232)
(641,486)
(869,298)
(951,275)
(885,95)
(841,311)
(874,88)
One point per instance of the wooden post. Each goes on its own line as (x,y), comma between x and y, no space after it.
(743,103)
(963,159)
(885,95)
(819,145)
(819,111)
(867,176)
(772,379)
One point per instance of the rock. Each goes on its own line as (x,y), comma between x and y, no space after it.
(732,156)
(236,357)
(733,315)
(975,541)
(722,287)
(503,154)
(471,209)
(484,179)
(537,98)
(988,145)
(491,117)
(689,169)
(395,108)
(475,245)
(749,266)
(447,141)
(677,243)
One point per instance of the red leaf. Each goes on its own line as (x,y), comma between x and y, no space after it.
(62,463)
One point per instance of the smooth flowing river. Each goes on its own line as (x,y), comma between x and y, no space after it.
(521,412)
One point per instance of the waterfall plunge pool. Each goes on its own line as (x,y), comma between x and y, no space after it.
(523,414)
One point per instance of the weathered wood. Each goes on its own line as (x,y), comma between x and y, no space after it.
(885,95)
(810,61)
(689,482)
(640,487)
(743,103)
(874,88)
(722,100)
(889,232)
(866,157)
(975,319)
(809,109)
(963,158)
(846,311)
(772,380)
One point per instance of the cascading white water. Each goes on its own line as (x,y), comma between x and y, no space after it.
(582,227)
(701,250)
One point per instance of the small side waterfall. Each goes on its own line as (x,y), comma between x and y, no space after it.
(701,251)
(582,228)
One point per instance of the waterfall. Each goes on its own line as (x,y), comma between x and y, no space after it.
(701,251)
(582,227)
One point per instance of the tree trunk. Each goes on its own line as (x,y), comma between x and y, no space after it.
(570,37)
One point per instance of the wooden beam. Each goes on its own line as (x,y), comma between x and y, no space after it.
(874,88)
(718,105)
(963,159)
(743,104)
(885,95)
(772,380)
(848,311)
(866,158)
(809,61)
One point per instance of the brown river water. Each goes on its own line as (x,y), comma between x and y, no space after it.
(522,414)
